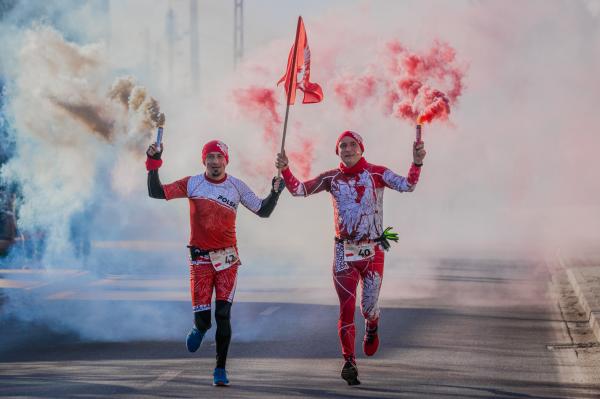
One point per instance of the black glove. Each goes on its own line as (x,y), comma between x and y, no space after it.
(156,155)
(277,190)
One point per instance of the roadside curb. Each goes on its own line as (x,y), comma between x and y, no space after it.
(586,284)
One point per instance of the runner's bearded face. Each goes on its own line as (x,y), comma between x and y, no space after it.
(350,152)
(215,165)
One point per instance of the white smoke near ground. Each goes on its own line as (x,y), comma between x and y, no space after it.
(514,171)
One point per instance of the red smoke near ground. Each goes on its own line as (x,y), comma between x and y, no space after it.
(260,105)
(418,87)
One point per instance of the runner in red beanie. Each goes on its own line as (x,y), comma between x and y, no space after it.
(214,197)
(357,190)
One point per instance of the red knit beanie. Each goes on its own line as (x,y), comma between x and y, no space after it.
(215,146)
(354,135)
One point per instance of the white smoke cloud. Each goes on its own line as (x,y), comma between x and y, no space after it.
(66,118)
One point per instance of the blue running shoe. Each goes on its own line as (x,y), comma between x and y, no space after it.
(194,339)
(220,378)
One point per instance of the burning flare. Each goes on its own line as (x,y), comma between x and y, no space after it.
(417,87)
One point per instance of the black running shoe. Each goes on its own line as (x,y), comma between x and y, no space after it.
(350,373)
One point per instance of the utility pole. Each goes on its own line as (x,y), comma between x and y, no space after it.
(238,32)
(194,43)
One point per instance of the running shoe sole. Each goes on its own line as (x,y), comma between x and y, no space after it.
(350,374)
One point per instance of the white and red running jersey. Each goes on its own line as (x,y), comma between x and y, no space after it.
(357,195)
(213,208)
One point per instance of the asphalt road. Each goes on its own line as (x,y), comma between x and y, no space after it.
(453,328)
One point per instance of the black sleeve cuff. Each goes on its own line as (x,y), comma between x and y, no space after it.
(268,205)
(155,189)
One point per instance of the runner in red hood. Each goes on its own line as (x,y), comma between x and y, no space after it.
(357,190)
(214,197)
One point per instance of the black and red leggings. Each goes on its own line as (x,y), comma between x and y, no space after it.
(203,281)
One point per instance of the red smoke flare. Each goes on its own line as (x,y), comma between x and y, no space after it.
(412,86)
(438,107)
(427,84)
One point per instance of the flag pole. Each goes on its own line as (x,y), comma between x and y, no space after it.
(289,91)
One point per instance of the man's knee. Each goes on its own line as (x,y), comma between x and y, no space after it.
(371,314)
(222,310)
(202,320)
(222,316)
(346,316)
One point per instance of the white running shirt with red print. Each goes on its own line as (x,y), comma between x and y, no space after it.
(213,208)
(357,195)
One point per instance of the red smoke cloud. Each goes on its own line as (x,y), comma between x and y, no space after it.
(437,106)
(354,87)
(412,86)
(260,105)
(303,158)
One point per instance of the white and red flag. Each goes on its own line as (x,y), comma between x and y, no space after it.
(299,60)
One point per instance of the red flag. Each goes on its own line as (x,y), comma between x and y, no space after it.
(300,79)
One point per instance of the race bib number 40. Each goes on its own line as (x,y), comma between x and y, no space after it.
(354,252)
(223,258)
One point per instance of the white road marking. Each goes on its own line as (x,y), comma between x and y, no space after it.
(270,310)
(163,379)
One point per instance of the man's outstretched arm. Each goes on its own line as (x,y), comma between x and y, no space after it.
(268,204)
(295,186)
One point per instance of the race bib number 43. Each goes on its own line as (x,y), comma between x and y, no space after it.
(354,252)
(223,258)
